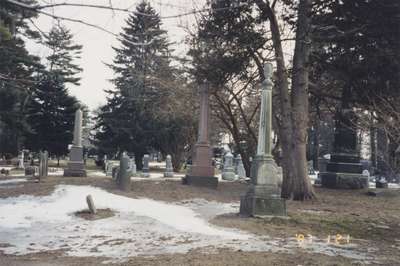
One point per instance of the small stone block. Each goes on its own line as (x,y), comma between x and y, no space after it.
(90,204)
(262,206)
(201,181)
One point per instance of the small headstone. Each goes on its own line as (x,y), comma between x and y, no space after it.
(146,169)
(124,177)
(381,182)
(228,172)
(30,171)
(21,161)
(115,172)
(241,172)
(169,171)
(90,204)
(43,164)
(109,168)
(132,166)
(365,173)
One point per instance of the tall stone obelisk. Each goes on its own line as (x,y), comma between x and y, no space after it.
(202,171)
(75,165)
(263,197)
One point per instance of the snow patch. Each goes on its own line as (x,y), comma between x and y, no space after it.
(13,181)
(30,224)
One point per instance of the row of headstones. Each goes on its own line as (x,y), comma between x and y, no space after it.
(43,169)
(112,170)
(233,167)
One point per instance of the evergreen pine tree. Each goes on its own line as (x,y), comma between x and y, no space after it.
(62,54)
(51,115)
(143,76)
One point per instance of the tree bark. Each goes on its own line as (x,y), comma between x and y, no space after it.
(302,188)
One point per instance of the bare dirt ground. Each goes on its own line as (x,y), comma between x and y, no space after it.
(373,223)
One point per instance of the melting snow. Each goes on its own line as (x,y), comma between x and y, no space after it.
(140,227)
(13,181)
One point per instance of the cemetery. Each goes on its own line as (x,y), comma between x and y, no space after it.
(226,155)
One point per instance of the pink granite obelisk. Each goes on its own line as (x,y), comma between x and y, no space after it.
(202,172)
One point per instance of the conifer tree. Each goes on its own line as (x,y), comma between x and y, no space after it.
(143,77)
(63,52)
(50,115)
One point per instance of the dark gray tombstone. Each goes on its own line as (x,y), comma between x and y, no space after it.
(169,171)
(43,164)
(124,177)
(146,167)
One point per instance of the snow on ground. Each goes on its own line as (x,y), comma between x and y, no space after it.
(30,224)
(13,181)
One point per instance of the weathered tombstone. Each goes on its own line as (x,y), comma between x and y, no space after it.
(109,168)
(381,182)
(75,165)
(105,161)
(169,170)
(241,172)
(124,177)
(21,160)
(115,172)
(228,172)
(43,164)
(146,169)
(263,197)
(30,171)
(366,173)
(90,203)
(132,166)
(202,171)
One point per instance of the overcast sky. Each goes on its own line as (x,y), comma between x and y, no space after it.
(97,44)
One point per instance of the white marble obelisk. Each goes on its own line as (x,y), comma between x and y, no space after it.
(75,165)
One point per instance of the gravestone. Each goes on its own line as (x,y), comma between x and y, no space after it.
(90,203)
(124,177)
(105,161)
(43,164)
(75,165)
(21,160)
(108,168)
(381,182)
(241,172)
(132,166)
(115,172)
(229,171)
(169,170)
(30,171)
(202,171)
(263,197)
(344,170)
(146,167)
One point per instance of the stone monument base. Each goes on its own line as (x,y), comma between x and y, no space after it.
(343,180)
(201,181)
(75,169)
(252,205)
(169,174)
(229,176)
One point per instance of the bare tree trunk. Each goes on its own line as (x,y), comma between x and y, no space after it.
(372,143)
(302,188)
(285,130)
